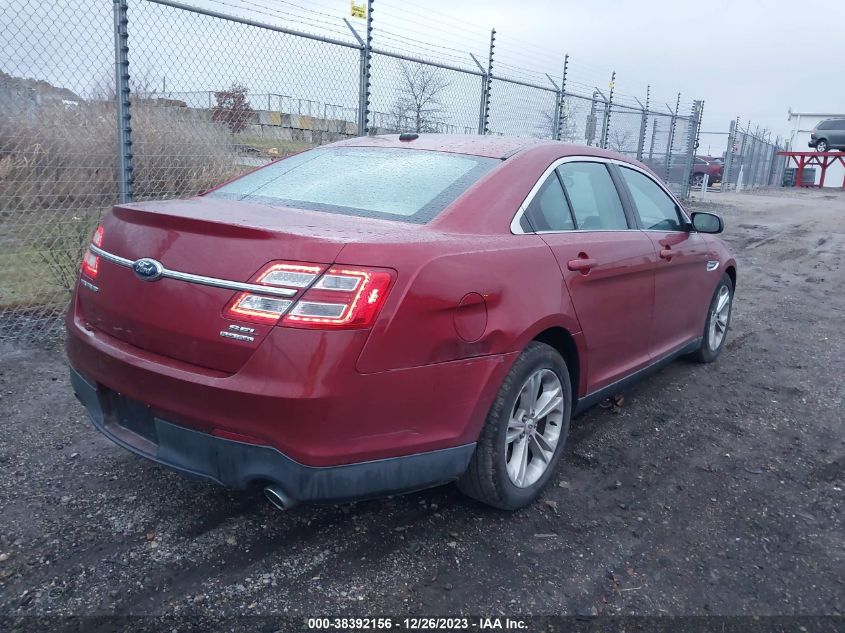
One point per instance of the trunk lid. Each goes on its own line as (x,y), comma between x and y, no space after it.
(220,239)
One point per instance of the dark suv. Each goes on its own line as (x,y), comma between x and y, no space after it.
(828,135)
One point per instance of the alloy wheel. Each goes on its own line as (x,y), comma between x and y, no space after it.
(534,428)
(719,318)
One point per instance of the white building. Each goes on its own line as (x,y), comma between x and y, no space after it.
(800,126)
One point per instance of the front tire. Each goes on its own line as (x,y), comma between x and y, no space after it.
(525,432)
(718,322)
(822,146)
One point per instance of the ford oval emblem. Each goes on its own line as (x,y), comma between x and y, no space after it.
(148,269)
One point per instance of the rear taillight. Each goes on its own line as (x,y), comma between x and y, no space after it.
(341,297)
(91,262)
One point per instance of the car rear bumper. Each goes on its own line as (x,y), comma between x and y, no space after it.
(240,465)
(301,395)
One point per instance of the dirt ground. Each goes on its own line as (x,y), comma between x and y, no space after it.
(716,489)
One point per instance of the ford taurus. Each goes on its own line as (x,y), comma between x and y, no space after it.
(387,314)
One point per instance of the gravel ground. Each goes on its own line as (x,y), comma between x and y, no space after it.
(715,489)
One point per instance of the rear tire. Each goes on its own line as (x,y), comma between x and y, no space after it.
(525,432)
(718,322)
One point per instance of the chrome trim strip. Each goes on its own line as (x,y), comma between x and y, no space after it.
(114,259)
(200,279)
(516,229)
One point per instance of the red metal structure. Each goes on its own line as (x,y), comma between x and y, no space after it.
(808,159)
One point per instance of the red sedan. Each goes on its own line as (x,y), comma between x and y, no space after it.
(391,313)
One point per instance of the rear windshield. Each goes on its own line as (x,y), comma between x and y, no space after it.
(390,183)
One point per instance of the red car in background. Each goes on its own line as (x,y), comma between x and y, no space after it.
(391,313)
(706,166)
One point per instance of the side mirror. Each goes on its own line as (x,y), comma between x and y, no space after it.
(707,222)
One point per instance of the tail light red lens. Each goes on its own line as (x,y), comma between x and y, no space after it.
(342,297)
(97,238)
(90,265)
(91,262)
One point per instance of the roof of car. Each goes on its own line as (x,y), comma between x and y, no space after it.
(473,144)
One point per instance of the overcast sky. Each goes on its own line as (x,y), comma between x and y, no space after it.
(745,58)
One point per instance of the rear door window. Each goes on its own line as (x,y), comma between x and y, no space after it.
(548,210)
(390,183)
(657,211)
(593,196)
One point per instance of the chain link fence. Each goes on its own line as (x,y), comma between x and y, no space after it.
(751,160)
(103,101)
(58,161)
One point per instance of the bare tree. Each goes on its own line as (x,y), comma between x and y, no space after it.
(619,140)
(418,105)
(547,126)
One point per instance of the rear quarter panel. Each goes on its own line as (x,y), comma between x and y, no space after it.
(473,296)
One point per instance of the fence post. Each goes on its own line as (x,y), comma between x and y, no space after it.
(654,126)
(692,144)
(767,161)
(608,109)
(752,172)
(362,64)
(555,116)
(771,175)
(122,94)
(483,103)
(488,83)
(729,155)
(562,99)
(671,141)
(761,157)
(483,70)
(643,124)
(590,131)
(747,154)
(781,165)
(366,63)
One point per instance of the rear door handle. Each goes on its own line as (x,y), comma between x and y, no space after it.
(666,253)
(584,264)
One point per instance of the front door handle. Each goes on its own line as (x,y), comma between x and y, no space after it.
(666,253)
(583,264)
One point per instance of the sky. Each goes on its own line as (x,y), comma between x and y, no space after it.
(745,58)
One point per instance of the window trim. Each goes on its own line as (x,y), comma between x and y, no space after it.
(516,229)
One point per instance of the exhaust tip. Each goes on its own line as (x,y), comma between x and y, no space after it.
(277,497)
